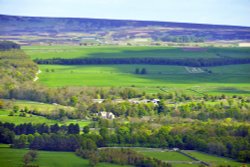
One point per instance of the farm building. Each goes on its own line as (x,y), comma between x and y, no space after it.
(106,115)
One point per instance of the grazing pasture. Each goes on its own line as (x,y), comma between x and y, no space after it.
(13,158)
(42,108)
(16,119)
(223,79)
(164,155)
(230,79)
(180,160)
(212,159)
(70,52)
(4,117)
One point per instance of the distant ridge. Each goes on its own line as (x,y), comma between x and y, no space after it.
(117,30)
(155,22)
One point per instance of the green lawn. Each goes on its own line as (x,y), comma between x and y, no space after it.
(41,107)
(215,160)
(175,158)
(180,160)
(4,117)
(16,119)
(69,52)
(13,158)
(163,154)
(234,81)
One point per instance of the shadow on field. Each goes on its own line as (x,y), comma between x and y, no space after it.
(178,74)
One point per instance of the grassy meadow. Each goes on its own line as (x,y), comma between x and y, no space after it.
(13,158)
(69,52)
(34,119)
(232,79)
(180,160)
(212,159)
(4,117)
(41,108)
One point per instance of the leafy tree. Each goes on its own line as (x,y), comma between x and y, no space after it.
(93,159)
(73,100)
(1,104)
(161,107)
(54,128)
(11,113)
(26,159)
(144,71)
(29,157)
(6,136)
(21,142)
(86,129)
(137,71)
(15,108)
(73,129)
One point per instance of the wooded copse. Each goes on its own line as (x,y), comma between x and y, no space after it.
(215,138)
(192,62)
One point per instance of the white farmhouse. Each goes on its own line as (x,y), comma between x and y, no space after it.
(106,115)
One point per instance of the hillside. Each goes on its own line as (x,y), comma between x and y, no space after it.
(27,30)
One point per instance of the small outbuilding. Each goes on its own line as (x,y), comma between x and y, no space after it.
(106,115)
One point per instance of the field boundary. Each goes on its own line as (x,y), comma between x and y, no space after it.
(193,158)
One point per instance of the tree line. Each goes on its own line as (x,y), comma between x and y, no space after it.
(223,139)
(193,62)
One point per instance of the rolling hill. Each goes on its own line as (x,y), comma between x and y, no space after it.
(27,30)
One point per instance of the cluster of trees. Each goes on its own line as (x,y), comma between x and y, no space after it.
(56,114)
(228,108)
(9,130)
(143,71)
(55,142)
(124,109)
(64,96)
(120,156)
(223,139)
(8,45)
(235,107)
(29,157)
(192,62)
(15,69)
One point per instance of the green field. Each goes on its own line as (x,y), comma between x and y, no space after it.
(164,155)
(175,158)
(233,79)
(180,160)
(69,52)
(13,158)
(214,160)
(16,119)
(41,107)
(4,117)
